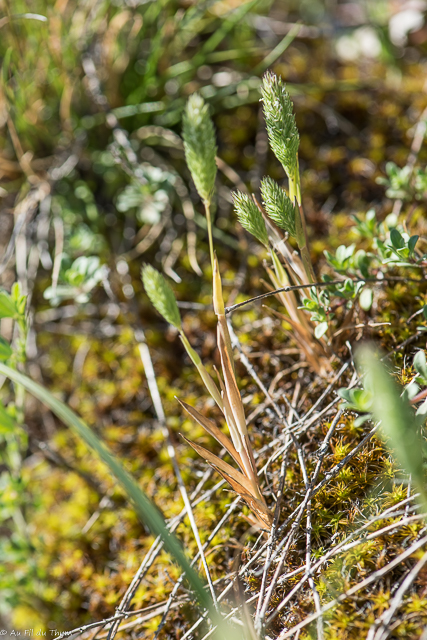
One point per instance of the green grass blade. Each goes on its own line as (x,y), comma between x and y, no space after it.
(146,510)
(398,421)
(234,17)
(278,50)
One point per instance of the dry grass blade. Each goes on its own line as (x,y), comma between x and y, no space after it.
(214,431)
(219,464)
(232,390)
(239,482)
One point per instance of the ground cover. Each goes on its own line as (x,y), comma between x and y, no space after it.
(94,184)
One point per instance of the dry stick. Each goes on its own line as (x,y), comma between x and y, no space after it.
(243,358)
(151,611)
(103,623)
(333,472)
(380,629)
(345,545)
(272,538)
(309,494)
(181,577)
(227,617)
(318,487)
(279,413)
(294,527)
(136,581)
(151,556)
(24,211)
(261,609)
(327,390)
(308,571)
(241,571)
(408,494)
(390,512)
(361,585)
(58,226)
(250,562)
(402,345)
(274,442)
(318,285)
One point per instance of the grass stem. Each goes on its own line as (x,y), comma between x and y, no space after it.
(209,225)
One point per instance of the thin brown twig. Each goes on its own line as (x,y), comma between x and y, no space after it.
(308,570)
(360,585)
(347,544)
(296,287)
(272,537)
(205,546)
(380,630)
(286,542)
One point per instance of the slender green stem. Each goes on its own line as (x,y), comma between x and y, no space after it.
(302,241)
(306,260)
(301,229)
(209,224)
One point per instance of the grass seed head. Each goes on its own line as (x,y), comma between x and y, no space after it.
(250,217)
(199,145)
(280,122)
(278,205)
(161,295)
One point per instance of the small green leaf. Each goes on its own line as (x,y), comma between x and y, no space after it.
(320,330)
(412,242)
(396,239)
(420,364)
(7,306)
(411,390)
(5,350)
(366,298)
(7,423)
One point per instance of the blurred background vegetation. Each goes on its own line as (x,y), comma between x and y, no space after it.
(94,183)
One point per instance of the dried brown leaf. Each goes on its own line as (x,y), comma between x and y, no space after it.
(222,466)
(214,431)
(238,482)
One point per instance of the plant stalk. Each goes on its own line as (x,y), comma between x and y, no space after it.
(209,224)
(302,240)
